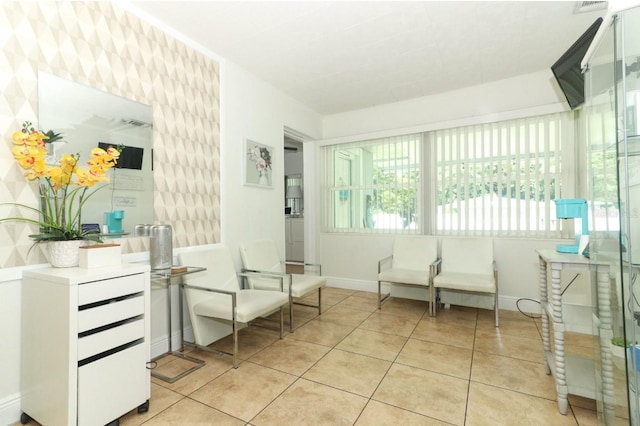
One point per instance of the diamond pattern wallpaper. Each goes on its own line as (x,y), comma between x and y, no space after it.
(103,46)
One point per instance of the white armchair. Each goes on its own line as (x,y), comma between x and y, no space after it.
(215,294)
(468,266)
(261,256)
(414,262)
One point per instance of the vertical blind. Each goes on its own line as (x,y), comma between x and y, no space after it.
(494,179)
(498,179)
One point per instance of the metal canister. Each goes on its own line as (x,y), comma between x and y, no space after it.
(161,246)
(142,230)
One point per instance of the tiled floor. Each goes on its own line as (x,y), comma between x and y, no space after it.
(356,365)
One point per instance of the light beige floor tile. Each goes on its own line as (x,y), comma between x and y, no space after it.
(250,340)
(457,314)
(444,333)
(322,333)
(330,291)
(161,399)
(190,412)
(507,345)
(309,403)
(586,417)
(516,327)
(172,366)
(343,315)
(290,355)
(369,295)
(489,316)
(438,358)
(373,343)
(492,406)
(377,413)
(405,307)
(215,365)
(245,391)
(363,303)
(351,372)
(582,402)
(390,324)
(513,374)
(431,394)
(328,299)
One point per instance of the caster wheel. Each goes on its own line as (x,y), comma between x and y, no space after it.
(144,407)
(24,418)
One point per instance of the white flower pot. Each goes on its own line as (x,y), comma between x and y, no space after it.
(64,254)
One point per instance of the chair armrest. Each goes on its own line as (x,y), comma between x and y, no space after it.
(214,290)
(314,265)
(211,290)
(247,273)
(384,262)
(434,268)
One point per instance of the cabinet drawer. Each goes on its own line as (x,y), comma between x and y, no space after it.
(108,339)
(88,319)
(108,289)
(112,386)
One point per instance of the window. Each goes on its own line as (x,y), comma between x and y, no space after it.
(373,186)
(496,179)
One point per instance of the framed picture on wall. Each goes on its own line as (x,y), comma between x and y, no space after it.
(258,164)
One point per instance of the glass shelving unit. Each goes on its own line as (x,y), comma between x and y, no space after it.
(612,120)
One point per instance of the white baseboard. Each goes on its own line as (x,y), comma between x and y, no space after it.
(160,345)
(508,303)
(10,409)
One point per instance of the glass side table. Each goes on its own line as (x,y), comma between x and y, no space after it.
(169,276)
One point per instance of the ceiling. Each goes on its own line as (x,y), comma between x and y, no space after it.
(336,56)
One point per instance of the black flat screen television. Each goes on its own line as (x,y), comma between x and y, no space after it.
(567,69)
(130,156)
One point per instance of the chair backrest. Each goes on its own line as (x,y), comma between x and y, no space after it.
(261,255)
(469,255)
(220,273)
(414,253)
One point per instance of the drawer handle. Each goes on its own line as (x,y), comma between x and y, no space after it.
(110,326)
(112,300)
(112,351)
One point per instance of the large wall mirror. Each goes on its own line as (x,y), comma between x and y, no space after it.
(87,118)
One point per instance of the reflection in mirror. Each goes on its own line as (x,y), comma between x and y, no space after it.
(87,118)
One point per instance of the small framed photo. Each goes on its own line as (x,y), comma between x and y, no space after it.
(258,164)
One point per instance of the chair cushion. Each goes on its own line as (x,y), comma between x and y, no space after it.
(482,283)
(304,284)
(250,304)
(406,276)
(301,286)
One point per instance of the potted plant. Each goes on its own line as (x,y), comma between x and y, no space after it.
(619,346)
(63,189)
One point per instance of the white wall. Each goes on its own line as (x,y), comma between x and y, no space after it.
(252,109)
(477,103)
(249,108)
(531,94)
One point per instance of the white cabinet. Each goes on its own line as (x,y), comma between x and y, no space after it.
(294,235)
(85,344)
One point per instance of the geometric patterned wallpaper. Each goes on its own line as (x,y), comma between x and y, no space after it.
(103,46)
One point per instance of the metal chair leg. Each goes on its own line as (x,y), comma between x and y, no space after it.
(235,343)
(290,313)
(281,321)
